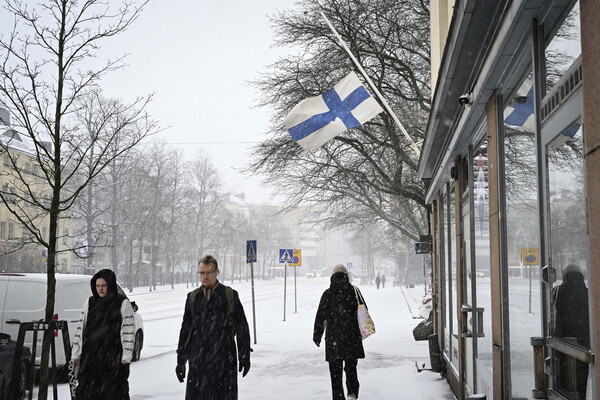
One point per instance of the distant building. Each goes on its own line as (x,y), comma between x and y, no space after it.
(19,250)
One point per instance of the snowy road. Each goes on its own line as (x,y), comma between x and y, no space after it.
(285,363)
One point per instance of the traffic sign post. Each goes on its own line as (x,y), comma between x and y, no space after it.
(286,257)
(296,262)
(297,258)
(530,257)
(250,251)
(251,258)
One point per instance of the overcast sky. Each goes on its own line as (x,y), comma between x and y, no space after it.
(197,57)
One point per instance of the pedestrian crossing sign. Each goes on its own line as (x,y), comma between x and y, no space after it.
(286,256)
(250,251)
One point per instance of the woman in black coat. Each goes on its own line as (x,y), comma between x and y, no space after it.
(337,316)
(103,344)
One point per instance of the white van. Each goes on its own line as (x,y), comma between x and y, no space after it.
(23,299)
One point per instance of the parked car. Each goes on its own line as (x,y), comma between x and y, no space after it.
(23,299)
(7,361)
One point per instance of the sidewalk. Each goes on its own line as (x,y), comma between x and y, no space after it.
(285,362)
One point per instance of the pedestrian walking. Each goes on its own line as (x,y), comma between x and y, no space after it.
(337,318)
(378,280)
(213,321)
(382,281)
(103,342)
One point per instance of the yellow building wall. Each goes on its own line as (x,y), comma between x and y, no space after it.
(30,171)
(440,16)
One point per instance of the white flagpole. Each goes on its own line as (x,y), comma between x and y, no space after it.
(372,85)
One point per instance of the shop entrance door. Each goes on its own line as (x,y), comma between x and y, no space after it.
(565,273)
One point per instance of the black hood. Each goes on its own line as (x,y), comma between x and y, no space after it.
(111,280)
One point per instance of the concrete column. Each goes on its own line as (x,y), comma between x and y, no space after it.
(590,37)
(495,264)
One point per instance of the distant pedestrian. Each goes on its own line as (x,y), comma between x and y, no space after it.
(383,281)
(378,280)
(337,317)
(103,343)
(213,320)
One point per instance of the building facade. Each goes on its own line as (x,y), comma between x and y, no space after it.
(21,182)
(510,157)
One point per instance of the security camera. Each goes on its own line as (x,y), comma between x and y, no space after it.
(465,100)
(521,99)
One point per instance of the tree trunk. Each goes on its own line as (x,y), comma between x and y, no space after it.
(115,232)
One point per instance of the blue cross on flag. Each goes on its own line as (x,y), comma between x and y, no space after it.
(316,120)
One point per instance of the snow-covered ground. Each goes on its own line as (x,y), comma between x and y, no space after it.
(285,362)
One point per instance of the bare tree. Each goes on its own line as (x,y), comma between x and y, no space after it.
(368,173)
(45,68)
(268,226)
(204,206)
(175,214)
(158,173)
(134,213)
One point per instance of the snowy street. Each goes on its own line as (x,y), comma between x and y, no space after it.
(285,362)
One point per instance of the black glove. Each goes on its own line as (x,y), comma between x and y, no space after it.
(180,371)
(245,366)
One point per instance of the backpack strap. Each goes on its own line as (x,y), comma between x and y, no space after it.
(230,314)
(191,300)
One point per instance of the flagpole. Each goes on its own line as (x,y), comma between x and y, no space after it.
(372,85)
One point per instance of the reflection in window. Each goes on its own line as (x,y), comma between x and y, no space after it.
(452,277)
(447,256)
(522,235)
(563,49)
(482,269)
(568,255)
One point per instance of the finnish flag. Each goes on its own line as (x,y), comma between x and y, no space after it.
(316,120)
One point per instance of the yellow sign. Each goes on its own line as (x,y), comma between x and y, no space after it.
(297,259)
(530,256)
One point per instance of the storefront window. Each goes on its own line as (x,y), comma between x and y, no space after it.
(522,239)
(447,278)
(453,286)
(563,48)
(568,255)
(481,238)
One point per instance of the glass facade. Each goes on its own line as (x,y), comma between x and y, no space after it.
(522,236)
(483,297)
(538,229)
(569,320)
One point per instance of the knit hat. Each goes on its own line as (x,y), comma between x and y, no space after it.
(571,268)
(339,268)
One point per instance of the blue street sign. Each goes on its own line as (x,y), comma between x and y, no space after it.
(250,251)
(286,256)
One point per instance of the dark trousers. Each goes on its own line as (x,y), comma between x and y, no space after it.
(335,372)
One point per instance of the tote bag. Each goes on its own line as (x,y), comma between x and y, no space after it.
(365,322)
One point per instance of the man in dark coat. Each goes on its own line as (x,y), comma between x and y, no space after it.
(337,316)
(213,317)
